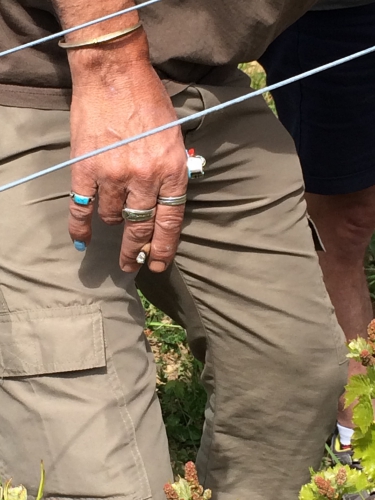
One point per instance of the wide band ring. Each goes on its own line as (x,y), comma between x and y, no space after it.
(172,201)
(133,215)
(79,199)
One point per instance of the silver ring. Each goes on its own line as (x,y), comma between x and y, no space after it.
(172,201)
(80,199)
(133,215)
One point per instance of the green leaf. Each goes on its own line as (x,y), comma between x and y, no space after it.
(182,488)
(175,387)
(359,385)
(364,450)
(363,413)
(42,481)
(307,493)
(356,347)
(371,376)
(356,480)
(17,493)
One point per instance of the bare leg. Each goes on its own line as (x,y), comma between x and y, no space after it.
(346,223)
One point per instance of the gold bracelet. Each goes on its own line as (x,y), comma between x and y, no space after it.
(100,39)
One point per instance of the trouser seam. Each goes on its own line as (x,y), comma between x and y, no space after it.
(130,429)
(203,479)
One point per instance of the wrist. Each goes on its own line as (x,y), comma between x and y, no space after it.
(104,62)
(112,56)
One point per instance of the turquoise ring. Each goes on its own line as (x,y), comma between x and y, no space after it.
(80,199)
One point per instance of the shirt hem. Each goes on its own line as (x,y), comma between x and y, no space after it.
(35,97)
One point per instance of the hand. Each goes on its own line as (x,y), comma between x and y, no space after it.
(115,108)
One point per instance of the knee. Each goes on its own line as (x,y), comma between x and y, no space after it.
(346,225)
(353,234)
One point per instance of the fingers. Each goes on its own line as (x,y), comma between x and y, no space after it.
(158,237)
(163,231)
(136,187)
(111,202)
(136,234)
(81,209)
(169,218)
(143,254)
(166,236)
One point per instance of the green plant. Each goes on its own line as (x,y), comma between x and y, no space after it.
(182,397)
(188,487)
(258,81)
(337,481)
(370,267)
(9,492)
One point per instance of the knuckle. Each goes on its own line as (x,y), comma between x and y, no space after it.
(80,213)
(170,224)
(112,220)
(110,217)
(140,231)
(163,253)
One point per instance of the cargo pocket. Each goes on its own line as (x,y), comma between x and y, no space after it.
(59,401)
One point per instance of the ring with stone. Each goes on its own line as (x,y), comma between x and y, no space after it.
(80,199)
(134,215)
(172,201)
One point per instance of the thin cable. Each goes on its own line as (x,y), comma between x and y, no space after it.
(200,114)
(76,28)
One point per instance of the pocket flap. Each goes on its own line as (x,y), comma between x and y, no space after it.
(49,341)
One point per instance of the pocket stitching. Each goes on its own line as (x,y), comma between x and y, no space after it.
(95,346)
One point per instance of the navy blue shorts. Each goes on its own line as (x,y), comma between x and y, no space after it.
(331,116)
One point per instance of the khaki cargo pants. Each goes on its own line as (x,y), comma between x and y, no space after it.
(77,386)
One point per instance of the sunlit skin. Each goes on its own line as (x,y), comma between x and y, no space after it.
(346,223)
(117,94)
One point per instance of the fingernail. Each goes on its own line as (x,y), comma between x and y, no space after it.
(156,266)
(79,245)
(128,268)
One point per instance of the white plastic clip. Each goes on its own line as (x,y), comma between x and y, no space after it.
(195,164)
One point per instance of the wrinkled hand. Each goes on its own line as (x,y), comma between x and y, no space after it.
(133,175)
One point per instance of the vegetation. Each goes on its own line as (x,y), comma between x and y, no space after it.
(370,268)
(258,80)
(181,394)
(188,487)
(9,492)
(337,481)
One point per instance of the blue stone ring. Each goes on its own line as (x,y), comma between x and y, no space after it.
(80,199)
